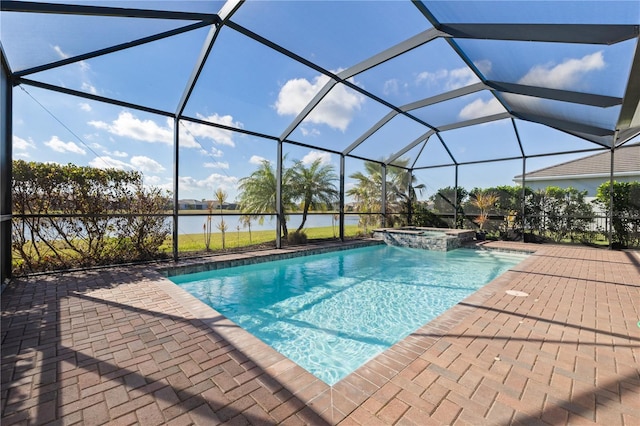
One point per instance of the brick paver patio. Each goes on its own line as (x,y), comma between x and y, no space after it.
(126,346)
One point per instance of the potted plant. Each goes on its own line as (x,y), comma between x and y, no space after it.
(481,234)
(484,202)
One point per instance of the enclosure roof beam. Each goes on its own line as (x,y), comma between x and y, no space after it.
(555,33)
(85,95)
(324,91)
(446,147)
(197,69)
(556,94)
(564,125)
(370,132)
(627,134)
(112,49)
(456,93)
(410,146)
(630,112)
(475,121)
(392,52)
(228,9)
(78,9)
(373,61)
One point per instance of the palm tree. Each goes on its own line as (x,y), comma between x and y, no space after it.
(401,188)
(245,221)
(206,228)
(258,194)
(314,185)
(367,193)
(221,197)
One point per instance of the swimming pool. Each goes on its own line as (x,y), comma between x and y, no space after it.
(333,312)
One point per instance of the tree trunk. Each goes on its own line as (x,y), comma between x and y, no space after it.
(304,217)
(283,222)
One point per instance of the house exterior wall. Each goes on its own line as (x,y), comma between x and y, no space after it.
(589,184)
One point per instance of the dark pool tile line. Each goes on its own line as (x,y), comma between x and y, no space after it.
(244,259)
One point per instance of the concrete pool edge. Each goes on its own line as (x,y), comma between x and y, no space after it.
(335,403)
(215,262)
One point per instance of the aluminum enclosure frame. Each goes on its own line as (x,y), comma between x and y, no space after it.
(628,124)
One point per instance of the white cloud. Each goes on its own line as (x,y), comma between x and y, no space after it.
(257,160)
(106,162)
(309,132)
(217,165)
(215,152)
(461,77)
(312,156)
(391,87)
(216,134)
(153,180)
(449,79)
(85,106)
(455,78)
(480,108)
(431,78)
(295,94)
(484,66)
(21,144)
(99,124)
(60,53)
(565,74)
(335,110)
(59,146)
(215,180)
(130,126)
(117,154)
(127,125)
(141,163)
(89,88)
(84,69)
(146,164)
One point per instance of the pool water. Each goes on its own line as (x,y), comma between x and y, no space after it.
(333,312)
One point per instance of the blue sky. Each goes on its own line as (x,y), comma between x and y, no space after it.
(249,86)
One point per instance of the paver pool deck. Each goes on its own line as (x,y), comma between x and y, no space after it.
(126,346)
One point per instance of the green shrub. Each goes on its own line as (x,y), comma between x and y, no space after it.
(626,211)
(423,217)
(297,237)
(68,216)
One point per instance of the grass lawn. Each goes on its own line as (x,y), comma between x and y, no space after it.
(235,239)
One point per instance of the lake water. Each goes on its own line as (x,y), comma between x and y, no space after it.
(193,224)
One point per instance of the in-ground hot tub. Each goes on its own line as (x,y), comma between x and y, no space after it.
(424,238)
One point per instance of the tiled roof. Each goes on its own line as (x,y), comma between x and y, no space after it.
(626,160)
